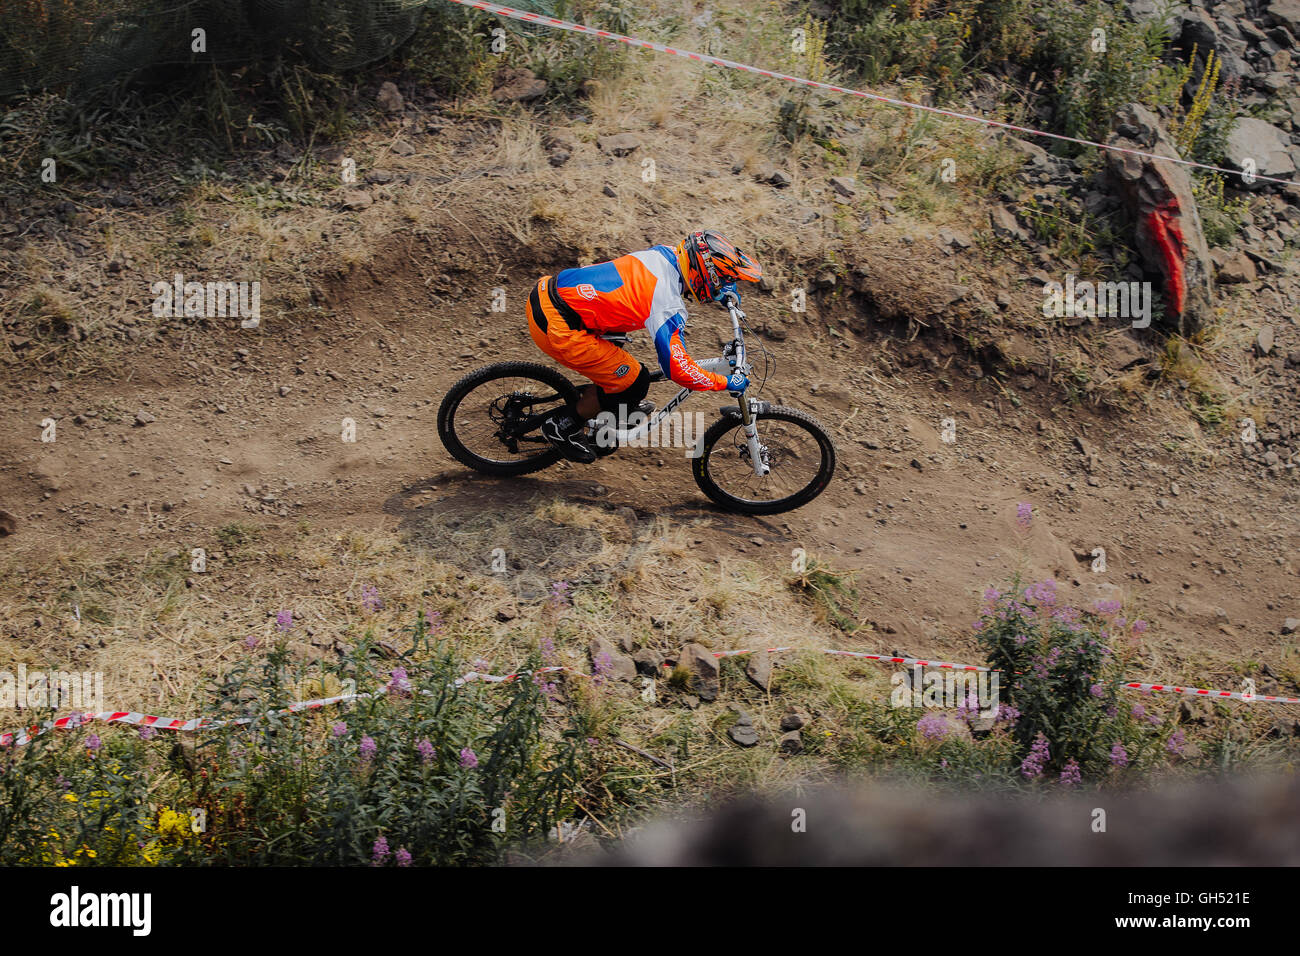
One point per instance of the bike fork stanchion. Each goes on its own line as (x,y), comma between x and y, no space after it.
(746,415)
(751,436)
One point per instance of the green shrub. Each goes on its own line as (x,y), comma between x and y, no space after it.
(425,771)
(1062,675)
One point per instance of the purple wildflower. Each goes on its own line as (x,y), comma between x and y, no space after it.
(367,748)
(1096,690)
(425,750)
(934,726)
(1139,626)
(1071,776)
(433,619)
(370,599)
(548,650)
(1042,593)
(560,594)
(379,853)
(1108,608)
(601,667)
(1176,743)
(549,688)
(1032,766)
(1137,710)
(969,708)
(284,621)
(1118,755)
(339,729)
(1008,713)
(252,641)
(402,857)
(400,684)
(1024,514)
(468,759)
(148,733)
(93,742)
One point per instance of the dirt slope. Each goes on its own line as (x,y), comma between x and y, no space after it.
(1207,554)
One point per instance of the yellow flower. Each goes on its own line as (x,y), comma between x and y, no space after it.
(70,797)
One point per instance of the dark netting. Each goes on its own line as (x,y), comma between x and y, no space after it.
(81,44)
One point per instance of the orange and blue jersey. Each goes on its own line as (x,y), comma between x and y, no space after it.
(639,290)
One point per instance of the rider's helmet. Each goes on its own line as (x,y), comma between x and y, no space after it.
(709,262)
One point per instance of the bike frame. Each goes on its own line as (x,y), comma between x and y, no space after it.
(731,361)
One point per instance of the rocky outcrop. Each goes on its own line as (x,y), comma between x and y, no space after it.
(1168,226)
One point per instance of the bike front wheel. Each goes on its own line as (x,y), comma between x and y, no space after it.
(798,452)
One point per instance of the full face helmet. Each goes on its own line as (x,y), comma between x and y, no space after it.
(709,262)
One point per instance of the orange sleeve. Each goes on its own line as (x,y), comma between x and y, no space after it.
(683,370)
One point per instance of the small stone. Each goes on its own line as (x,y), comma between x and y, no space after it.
(649,662)
(143,418)
(620,144)
(759,670)
(1237,269)
(846,186)
(358,199)
(793,720)
(1291,625)
(285,390)
(612,662)
(1006,225)
(791,743)
(610,192)
(389,99)
(1264,341)
(742,731)
(518,85)
(507,613)
(702,667)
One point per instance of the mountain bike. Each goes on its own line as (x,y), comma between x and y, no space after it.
(757,458)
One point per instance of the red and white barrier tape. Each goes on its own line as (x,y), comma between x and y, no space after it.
(135,718)
(525,16)
(72,721)
(1205,692)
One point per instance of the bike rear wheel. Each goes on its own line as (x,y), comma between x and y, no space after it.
(796,447)
(483,420)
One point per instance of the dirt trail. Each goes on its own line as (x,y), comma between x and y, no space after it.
(927,525)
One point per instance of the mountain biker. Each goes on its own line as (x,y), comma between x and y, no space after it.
(569,312)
